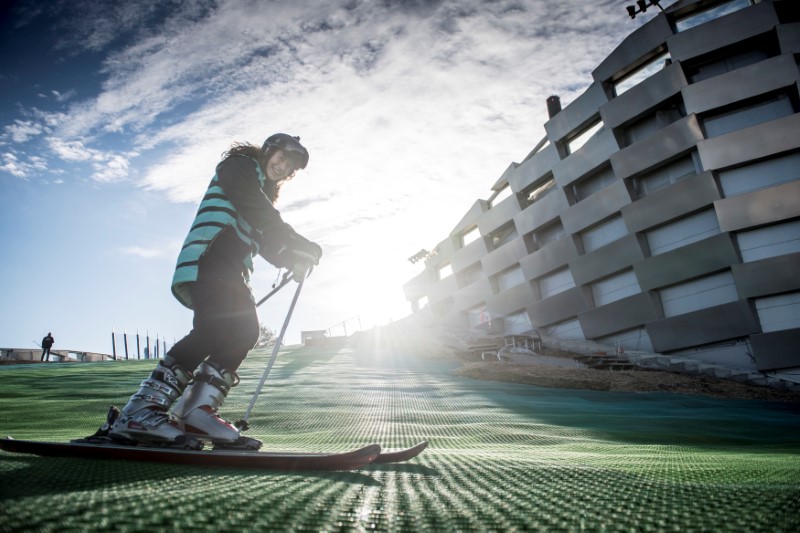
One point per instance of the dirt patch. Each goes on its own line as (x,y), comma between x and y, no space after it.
(622,380)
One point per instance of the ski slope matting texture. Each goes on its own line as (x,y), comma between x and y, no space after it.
(502,457)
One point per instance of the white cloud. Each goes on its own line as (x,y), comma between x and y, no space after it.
(149,252)
(108,166)
(21,168)
(23,130)
(70,150)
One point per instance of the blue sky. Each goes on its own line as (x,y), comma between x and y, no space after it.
(113,115)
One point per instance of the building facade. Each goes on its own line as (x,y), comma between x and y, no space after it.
(662,209)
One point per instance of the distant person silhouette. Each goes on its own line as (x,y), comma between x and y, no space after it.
(47,343)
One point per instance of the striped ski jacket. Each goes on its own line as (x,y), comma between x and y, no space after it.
(235,221)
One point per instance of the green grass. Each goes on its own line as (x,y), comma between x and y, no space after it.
(502,457)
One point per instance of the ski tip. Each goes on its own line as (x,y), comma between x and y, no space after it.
(401,455)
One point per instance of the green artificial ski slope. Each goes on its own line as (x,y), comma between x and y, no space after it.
(503,457)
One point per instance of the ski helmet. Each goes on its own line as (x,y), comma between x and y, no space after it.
(290,145)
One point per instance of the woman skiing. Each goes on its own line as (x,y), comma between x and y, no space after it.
(235,221)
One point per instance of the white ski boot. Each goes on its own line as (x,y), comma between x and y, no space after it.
(144,419)
(196,411)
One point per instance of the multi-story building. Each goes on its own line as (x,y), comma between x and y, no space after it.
(661,212)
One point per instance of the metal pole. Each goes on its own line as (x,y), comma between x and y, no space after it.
(286,279)
(125,339)
(243,423)
(113,345)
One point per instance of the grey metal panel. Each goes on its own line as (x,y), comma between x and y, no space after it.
(468,255)
(503,179)
(706,326)
(499,214)
(453,319)
(554,255)
(685,196)
(628,55)
(541,212)
(703,257)
(472,295)
(759,78)
(607,260)
(443,252)
(776,350)
(596,207)
(557,308)
(761,140)
(418,286)
(503,257)
(511,300)
(723,31)
(577,114)
(668,143)
(767,276)
(586,159)
(442,290)
(789,37)
(635,102)
(621,315)
(776,203)
(534,168)
(470,219)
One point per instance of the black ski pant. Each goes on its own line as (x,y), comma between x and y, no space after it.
(225,326)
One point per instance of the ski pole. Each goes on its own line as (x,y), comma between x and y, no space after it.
(287,277)
(243,423)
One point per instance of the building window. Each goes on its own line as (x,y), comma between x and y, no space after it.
(509,278)
(470,275)
(771,241)
(647,126)
(500,195)
(701,293)
(422,303)
(593,183)
(722,65)
(556,282)
(517,323)
(664,176)
(547,234)
(540,190)
(701,17)
(503,235)
(744,117)
(615,288)
(685,231)
(780,312)
(571,329)
(642,73)
(604,233)
(632,339)
(470,236)
(584,136)
(478,317)
(761,175)
(445,270)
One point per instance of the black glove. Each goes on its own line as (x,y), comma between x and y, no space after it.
(305,255)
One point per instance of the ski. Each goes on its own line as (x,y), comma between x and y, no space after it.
(290,461)
(399,456)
